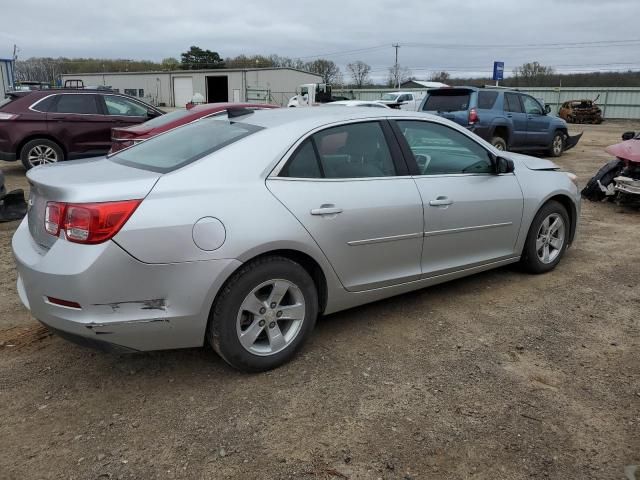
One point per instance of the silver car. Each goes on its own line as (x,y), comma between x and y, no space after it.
(241,231)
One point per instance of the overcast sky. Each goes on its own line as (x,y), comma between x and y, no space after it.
(461,37)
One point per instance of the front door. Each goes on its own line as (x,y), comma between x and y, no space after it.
(537,122)
(347,189)
(124,112)
(471,215)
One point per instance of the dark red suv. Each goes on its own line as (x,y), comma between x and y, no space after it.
(48,126)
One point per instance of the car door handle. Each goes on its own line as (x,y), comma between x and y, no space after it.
(441,202)
(326,210)
(509,115)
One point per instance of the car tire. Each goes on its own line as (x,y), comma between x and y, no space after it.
(557,144)
(546,244)
(247,325)
(40,151)
(499,143)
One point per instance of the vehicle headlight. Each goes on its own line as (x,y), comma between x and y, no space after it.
(573,177)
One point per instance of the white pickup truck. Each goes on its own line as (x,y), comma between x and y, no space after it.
(405,100)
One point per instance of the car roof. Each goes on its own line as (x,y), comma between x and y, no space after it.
(220,106)
(313,117)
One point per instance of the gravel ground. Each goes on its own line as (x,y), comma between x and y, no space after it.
(501,375)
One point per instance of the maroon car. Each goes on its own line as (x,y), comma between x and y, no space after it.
(48,126)
(125,137)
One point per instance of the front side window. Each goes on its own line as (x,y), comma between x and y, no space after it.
(122,106)
(357,150)
(440,150)
(184,145)
(76,103)
(531,105)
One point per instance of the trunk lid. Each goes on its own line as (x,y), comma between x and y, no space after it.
(82,181)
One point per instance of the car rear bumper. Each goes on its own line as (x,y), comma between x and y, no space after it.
(124,304)
(8,157)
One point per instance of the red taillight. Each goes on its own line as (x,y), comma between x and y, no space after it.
(88,222)
(473,116)
(119,144)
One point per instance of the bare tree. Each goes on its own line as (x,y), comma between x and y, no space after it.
(398,75)
(360,73)
(532,73)
(442,77)
(327,69)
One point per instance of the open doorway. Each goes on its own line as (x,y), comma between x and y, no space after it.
(217,89)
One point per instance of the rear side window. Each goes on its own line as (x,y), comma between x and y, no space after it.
(45,104)
(82,104)
(450,101)
(357,150)
(184,145)
(512,103)
(487,100)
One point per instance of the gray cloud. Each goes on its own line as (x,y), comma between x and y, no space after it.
(432,34)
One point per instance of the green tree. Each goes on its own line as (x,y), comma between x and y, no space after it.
(196,58)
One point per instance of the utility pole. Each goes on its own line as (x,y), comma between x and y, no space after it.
(395,68)
(13,65)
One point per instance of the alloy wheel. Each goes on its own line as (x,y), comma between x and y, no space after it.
(550,238)
(558,143)
(270,317)
(41,155)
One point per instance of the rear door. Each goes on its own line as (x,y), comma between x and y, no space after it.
(514,111)
(537,122)
(77,121)
(450,103)
(471,215)
(349,187)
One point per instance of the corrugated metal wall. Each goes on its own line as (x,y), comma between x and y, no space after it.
(615,102)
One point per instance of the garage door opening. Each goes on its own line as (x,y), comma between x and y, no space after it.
(217,89)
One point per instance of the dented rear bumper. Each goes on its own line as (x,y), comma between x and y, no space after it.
(124,303)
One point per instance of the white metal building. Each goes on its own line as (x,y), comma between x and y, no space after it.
(176,88)
(6,76)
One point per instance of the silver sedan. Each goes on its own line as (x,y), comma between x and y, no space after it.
(240,231)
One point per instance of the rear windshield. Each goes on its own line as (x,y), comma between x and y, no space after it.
(184,145)
(167,118)
(487,100)
(447,101)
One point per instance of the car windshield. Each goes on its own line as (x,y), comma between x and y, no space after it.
(167,118)
(449,101)
(390,97)
(184,145)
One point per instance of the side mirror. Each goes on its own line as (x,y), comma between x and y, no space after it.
(547,109)
(504,165)
(628,135)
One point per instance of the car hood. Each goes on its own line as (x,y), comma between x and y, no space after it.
(532,163)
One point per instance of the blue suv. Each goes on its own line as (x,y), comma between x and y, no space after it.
(508,119)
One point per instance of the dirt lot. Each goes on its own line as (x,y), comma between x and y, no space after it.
(499,376)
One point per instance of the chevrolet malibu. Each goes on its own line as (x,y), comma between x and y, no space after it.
(240,231)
